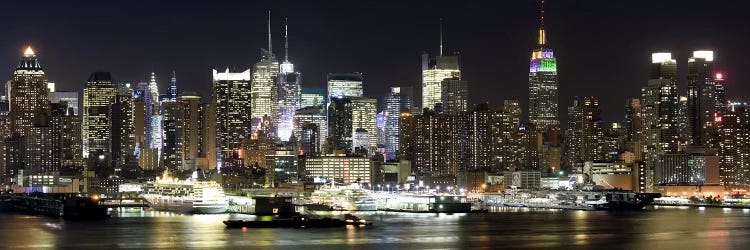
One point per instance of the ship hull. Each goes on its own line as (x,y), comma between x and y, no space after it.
(176,205)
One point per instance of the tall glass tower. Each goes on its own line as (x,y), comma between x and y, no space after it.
(287,94)
(543,104)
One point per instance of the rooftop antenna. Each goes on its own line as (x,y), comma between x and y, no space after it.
(441,36)
(286,40)
(542,33)
(269,32)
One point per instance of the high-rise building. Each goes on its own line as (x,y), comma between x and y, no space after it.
(454,95)
(480,141)
(171,124)
(122,129)
(283,165)
(313,97)
(394,102)
(311,115)
(633,128)
(705,98)
(98,97)
(231,100)
(154,118)
(363,117)
(506,145)
(287,95)
(437,144)
(585,133)
(406,136)
(264,78)
(310,140)
(345,85)
(434,71)
(543,94)
(340,168)
(69,97)
(659,106)
(734,152)
(340,129)
(28,93)
(191,134)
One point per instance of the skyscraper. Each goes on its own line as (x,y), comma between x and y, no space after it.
(454,95)
(585,133)
(311,115)
(313,97)
(705,96)
(287,95)
(264,78)
(734,153)
(437,146)
(363,117)
(98,97)
(191,126)
(345,85)
(434,71)
(29,95)
(122,129)
(231,100)
(543,96)
(659,104)
(340,129)
(394,102)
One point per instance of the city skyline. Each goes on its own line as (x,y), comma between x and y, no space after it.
(492,52)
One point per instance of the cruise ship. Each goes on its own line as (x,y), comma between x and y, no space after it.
(344,198)
(185,196)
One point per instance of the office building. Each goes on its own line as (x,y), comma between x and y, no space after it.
(364,111)
(231,100)
(454,95)
(342,85)
(543,93)
(98,97)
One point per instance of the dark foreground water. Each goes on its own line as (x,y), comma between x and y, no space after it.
(655,228)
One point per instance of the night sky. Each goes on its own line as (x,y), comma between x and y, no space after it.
(603,47)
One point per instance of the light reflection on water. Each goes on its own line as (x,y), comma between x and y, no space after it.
(670,227)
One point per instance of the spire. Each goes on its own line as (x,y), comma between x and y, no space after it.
(270,48)
(542,33)
(441,36)
(286,40)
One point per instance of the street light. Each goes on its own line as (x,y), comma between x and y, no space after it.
(381,188)
(389,188)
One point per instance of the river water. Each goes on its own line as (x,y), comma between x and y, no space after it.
(504,228)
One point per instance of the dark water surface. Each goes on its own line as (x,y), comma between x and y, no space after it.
(654,228)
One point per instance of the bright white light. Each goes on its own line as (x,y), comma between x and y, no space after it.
(661,57)
(705,54)
(29,51)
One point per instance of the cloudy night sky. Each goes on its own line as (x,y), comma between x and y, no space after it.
(603,47)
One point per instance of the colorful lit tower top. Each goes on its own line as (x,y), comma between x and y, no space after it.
(543,94)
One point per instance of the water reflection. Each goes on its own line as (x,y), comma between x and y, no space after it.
(673,227)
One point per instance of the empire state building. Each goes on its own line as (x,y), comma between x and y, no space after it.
(543,103)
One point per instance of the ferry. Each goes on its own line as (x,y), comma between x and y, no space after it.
(185,196)
(341,198)
(423,203)
(577,200)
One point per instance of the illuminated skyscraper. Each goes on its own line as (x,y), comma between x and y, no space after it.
(28,93)
(705,97)
(340,129)
(363,117)
(287,95)
(585,133)
(264,78)
(734,153)
(191,130)
(660,104)
(313,97)
(395,102)
(434,71)
(311,115)
(454,95)
(231,100)
(98,97)
(345,85)
(123,131)
(543,96)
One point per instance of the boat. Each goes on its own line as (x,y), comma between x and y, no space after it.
(341,198)
(185,196)
(298,222)
(422,203)
(577,200)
